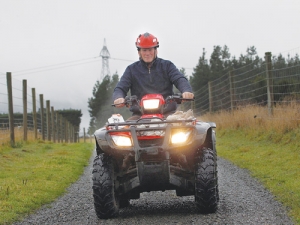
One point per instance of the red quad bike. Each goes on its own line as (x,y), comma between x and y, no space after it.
(154,153)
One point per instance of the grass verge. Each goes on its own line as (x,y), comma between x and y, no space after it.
(276,165)
(36,173)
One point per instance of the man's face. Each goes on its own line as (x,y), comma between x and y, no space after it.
(147,54)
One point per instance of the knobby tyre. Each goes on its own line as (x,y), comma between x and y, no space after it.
(105,200)
(206,181)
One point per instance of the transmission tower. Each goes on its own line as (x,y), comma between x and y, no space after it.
(105,66)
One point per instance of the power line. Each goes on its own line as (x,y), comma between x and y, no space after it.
(55,65)
(19,73)
(127,60)
(64,65)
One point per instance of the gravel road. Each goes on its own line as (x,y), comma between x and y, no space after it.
(242,201)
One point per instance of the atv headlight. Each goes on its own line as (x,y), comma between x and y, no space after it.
(151,103)
(122,141)
(180,137)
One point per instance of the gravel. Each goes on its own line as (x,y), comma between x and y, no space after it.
(243,200)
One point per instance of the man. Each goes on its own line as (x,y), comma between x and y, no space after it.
(150,75)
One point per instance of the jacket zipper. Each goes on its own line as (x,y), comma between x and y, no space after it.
(149,70)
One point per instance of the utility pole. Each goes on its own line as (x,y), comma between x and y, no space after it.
(105,65)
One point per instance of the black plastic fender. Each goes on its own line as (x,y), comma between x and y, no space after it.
(207,133)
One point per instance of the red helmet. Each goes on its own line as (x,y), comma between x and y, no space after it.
(146,40)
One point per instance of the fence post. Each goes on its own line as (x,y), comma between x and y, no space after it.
(210,97)
(53,124)
(66,130)
(62,131)
(75,134)
(34,113)
(269,79)
(70,132)
(57,127)
(232,91)
(48,120)
(42,116)
(25,110)
(10,109)
(192,105)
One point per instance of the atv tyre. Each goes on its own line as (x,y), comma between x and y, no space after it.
(206,181)
(105,201)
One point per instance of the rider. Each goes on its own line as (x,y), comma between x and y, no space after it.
(150,75)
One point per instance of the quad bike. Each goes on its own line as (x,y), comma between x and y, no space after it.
(154,153)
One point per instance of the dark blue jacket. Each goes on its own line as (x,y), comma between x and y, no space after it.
(159,79)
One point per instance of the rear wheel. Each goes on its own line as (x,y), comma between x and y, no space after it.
(105,200)
(206,181)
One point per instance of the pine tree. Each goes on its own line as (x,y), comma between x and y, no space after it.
(96,103)
(100,105)
(201,74)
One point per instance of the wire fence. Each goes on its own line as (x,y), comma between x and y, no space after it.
(19,111)
(273,83)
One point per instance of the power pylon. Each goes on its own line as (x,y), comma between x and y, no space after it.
(105,65)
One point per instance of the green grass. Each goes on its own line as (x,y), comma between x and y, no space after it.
(35,174)
(273,159)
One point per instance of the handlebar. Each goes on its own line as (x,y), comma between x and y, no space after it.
(178,98)
(132,100)
(129,100)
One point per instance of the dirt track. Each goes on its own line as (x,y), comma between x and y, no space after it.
(242,201)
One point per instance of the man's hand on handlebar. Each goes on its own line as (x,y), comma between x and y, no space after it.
(119,102)
(187,95)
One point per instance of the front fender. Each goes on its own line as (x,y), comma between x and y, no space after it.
(207,133)
(100,140)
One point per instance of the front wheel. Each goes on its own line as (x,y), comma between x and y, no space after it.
(206,181)
(105,201)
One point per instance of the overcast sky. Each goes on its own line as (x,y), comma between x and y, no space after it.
(55,44)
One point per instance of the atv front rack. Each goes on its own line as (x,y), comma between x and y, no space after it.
(125,126)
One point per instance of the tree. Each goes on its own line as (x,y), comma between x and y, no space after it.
(72,115)
(226,58)
(100,105)
(201,73)
(96,102)
(251,52)
(216,63)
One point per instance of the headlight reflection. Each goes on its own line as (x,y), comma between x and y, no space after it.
(122,140)
(180,137)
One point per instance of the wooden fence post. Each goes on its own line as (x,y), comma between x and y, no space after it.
(269,79)
(10,109)
(70,132)
(34,113)
(57,127)
(25,110)
(193,106)
(42,116)
(75,134)
(66,130)
(48,120)
(232,90)
(53,124)
(62,131)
